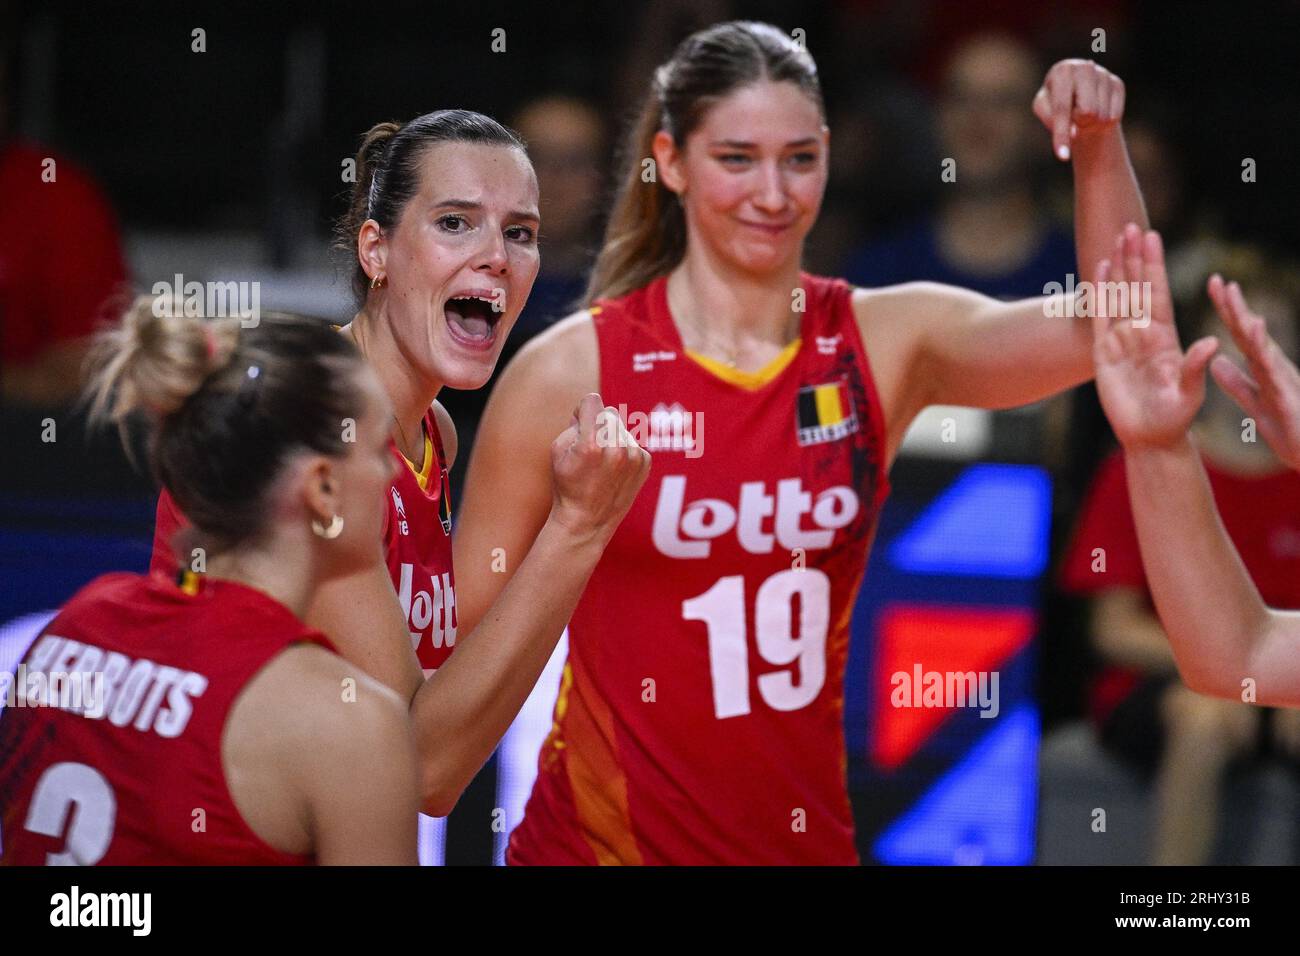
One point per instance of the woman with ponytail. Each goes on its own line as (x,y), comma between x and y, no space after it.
(200,721)
(700,710)
(441,232)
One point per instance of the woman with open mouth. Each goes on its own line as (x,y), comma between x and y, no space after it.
(443,224)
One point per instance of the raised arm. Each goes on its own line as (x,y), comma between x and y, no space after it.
(537,513)
(1082,104)
(958,347)
(968,349)
(1220,631)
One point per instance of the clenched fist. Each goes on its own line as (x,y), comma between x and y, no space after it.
(597,468)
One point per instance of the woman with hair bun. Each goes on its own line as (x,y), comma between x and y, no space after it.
(442,227)
(201,722)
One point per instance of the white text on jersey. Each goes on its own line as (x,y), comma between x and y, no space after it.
(684,530)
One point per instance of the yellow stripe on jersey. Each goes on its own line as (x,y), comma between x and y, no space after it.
(751,381)
(829,409)
(422,473)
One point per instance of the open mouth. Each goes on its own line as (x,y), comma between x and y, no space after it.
(472,319)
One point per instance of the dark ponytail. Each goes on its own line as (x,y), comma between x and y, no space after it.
(388,172)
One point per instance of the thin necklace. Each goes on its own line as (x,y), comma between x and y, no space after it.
(732,354)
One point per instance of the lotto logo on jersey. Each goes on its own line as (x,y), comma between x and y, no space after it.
(761,520)
(825,413)
(436,607)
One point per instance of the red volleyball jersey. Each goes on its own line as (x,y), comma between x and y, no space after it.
(700,716)
(132,774)
(417,546)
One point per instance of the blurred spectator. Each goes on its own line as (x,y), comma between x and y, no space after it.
(990,232)
(1142,711)
(60,262)
(566,139)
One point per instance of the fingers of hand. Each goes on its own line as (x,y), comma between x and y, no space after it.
(1154,273)
(1254,340)
(1042,106)
(1060,94)
(1132,251)
(1085,91)
(618,446)
(1197,357)
(1100,319)
(1117,273)
(1239,386)
(588,408)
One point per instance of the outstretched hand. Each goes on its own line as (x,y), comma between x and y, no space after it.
(1149,388)
(1269,391)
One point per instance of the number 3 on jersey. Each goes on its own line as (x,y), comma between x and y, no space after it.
(74,800)
(722,609)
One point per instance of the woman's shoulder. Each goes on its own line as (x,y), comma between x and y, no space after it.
(568,351)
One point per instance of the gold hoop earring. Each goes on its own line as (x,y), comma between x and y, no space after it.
(333,531)
(378,282)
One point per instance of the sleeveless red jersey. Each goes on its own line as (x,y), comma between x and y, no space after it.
(417,546)
(700,716)
(133,775)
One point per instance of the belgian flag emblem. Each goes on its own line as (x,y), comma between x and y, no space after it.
(825,413)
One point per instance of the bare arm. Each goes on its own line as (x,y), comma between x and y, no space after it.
(972,350)
(1125,632)
(362,616)
(969,349)
(1219,628)
(525,545)
(508,487)
(1082,103)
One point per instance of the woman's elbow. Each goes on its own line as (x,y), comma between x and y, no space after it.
(440,787)
(437,799)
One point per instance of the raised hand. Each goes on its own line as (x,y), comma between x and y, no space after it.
(1078,98)
(1149,389)
(598,468)
(1269,391)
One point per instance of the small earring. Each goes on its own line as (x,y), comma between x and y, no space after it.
(377,282)
(333,531)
